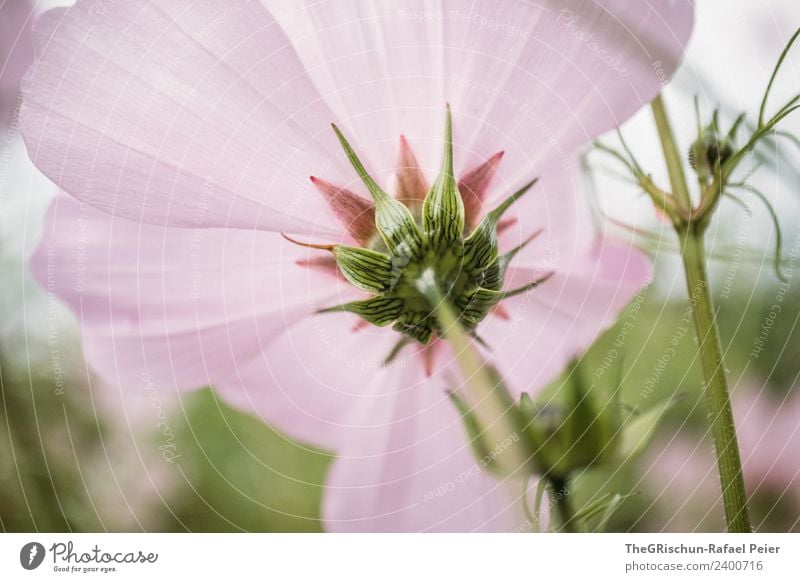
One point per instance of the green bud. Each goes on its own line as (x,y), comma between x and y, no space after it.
(582,427)
(443,208)
(418,260)
(710,150)
(577,430)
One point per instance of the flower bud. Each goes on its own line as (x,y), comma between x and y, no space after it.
(578,432)
(710,150)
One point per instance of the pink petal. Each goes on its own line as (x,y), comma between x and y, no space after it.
(307,380)
(406,465)
(533,79)
(16,52)
(177,308)
(473,187)
(411,184)
(557,321)
(556,207)
(769,435)
(187,113)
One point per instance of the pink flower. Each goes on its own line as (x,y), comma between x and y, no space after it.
(16,52)
(682,473)
(681,476)
(185,132)
(769,438)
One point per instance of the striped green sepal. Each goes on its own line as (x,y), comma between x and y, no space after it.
(416,325)
(503,295)
(443,209)
(474,305)
(397,226)
(378,311)
(366,269)
(490,276)
(398,347)
(393,219)
(481,246)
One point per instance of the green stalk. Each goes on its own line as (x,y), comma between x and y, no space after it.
(563,505)
(672,156)
(716,385)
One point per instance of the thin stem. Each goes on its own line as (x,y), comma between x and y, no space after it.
(560,498)
(489,403)
(719,404)
(777,68)
(716,385)
(671,155)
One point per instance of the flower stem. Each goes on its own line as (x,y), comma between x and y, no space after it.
(719,403)
(560,496)
(693,254)
(672,156)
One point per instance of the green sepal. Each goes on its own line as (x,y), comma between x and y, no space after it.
(416,325)
(506,259)
(443,209)
(490,276)
(366,269)
(395,351)
(380,311)
(393,219)
(471,425)
(481,245)
(475,304)
(479,300)
(496,214)
(503,295)
(639,431)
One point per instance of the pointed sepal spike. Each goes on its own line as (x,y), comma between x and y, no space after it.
(525,288)
(319,247)
(471,426)
(366,269)
(443,209)
(395,351)
(380,311)
(393,219)
(356,214)
(474,185)
(496,214)
(411,183)
(731,137)
(506,259)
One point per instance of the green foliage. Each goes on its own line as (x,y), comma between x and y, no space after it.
(241,475)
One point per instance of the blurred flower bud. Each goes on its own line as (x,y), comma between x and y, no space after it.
(586,428)
(710,150)
(576,433)
(578,428)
